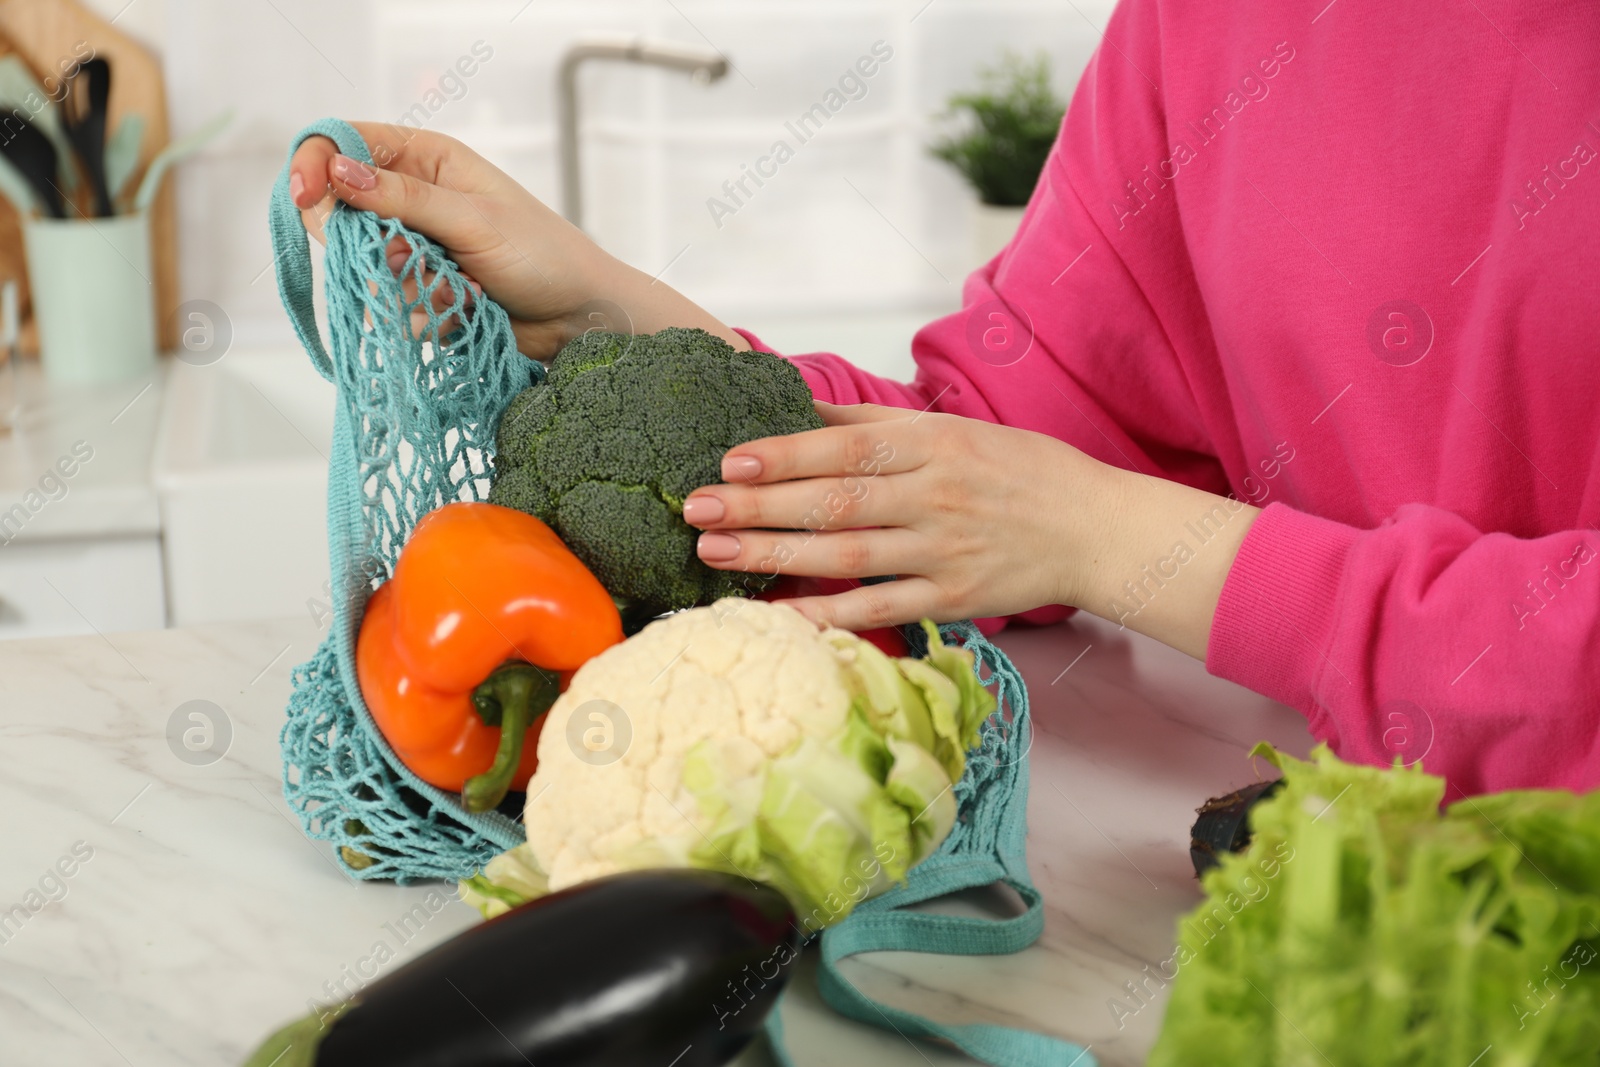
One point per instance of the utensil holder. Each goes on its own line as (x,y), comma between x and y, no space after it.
(93,297)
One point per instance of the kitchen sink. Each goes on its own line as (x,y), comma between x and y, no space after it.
(241,472)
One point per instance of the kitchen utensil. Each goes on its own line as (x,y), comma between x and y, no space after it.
(19,89)
(34,156)
(85,122)
(50,34)
(122,153)
(183,146)
(18,190)
(90,280)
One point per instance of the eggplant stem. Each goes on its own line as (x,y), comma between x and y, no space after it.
(512,698)
(296,1043)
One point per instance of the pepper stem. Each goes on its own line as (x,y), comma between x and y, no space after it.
(511,698)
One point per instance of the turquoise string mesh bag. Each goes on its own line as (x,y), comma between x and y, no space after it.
(414,428)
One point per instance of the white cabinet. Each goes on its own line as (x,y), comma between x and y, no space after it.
(80,531)
(81,586)
(241,470)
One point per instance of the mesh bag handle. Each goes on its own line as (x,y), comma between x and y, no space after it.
(291,245)
(987,845)
(414,425)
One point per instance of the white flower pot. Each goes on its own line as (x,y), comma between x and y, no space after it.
(992,229)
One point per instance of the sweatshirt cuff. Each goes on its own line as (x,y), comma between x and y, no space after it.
(1279,609)
(813,370)
(755,342)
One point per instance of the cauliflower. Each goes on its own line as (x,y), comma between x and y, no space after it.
(739,737)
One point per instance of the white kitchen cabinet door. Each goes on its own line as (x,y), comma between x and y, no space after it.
(81,586)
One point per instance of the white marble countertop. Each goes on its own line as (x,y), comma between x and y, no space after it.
(109,495)
(202,917)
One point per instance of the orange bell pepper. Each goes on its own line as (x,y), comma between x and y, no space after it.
(462,652)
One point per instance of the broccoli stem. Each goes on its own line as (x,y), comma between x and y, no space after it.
(510,698)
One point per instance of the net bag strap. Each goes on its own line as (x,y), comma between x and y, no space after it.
(291,245)
(987,846)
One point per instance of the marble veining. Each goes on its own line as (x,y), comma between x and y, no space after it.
(196,916)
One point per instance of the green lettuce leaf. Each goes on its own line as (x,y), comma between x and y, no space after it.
(1364,927)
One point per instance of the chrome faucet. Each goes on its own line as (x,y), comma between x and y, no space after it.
(701,64)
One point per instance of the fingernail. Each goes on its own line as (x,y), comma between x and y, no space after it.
(297,185)
(718,547)
(702,510)
(354,174)
(745,467)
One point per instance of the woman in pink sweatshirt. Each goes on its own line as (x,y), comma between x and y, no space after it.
(1292,365)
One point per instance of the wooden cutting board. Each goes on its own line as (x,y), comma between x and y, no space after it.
(51,35)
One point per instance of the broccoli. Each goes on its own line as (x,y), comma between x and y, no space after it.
(622,429)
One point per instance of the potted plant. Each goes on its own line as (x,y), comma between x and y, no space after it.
(1003,135)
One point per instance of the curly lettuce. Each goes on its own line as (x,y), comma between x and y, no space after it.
(1363,927)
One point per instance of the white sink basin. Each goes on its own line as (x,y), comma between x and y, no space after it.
(241,472)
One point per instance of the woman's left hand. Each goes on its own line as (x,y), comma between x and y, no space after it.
(973,519)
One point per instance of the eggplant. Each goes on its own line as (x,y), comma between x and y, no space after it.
(634,969)
(1223,824)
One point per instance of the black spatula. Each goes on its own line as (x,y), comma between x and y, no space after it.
(85,121)
(26,148)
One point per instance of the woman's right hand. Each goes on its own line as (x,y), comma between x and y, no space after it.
(542,269)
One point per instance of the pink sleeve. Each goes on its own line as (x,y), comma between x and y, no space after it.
(838,382)
(1424,639)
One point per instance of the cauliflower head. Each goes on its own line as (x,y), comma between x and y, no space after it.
(740,737)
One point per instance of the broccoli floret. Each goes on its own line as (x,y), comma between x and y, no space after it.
(621,430)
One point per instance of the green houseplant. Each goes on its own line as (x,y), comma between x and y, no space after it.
(1000,135)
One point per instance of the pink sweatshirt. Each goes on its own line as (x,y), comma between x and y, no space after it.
(1342,262)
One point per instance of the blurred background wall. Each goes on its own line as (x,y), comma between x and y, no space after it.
(206,497)
(880,256)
